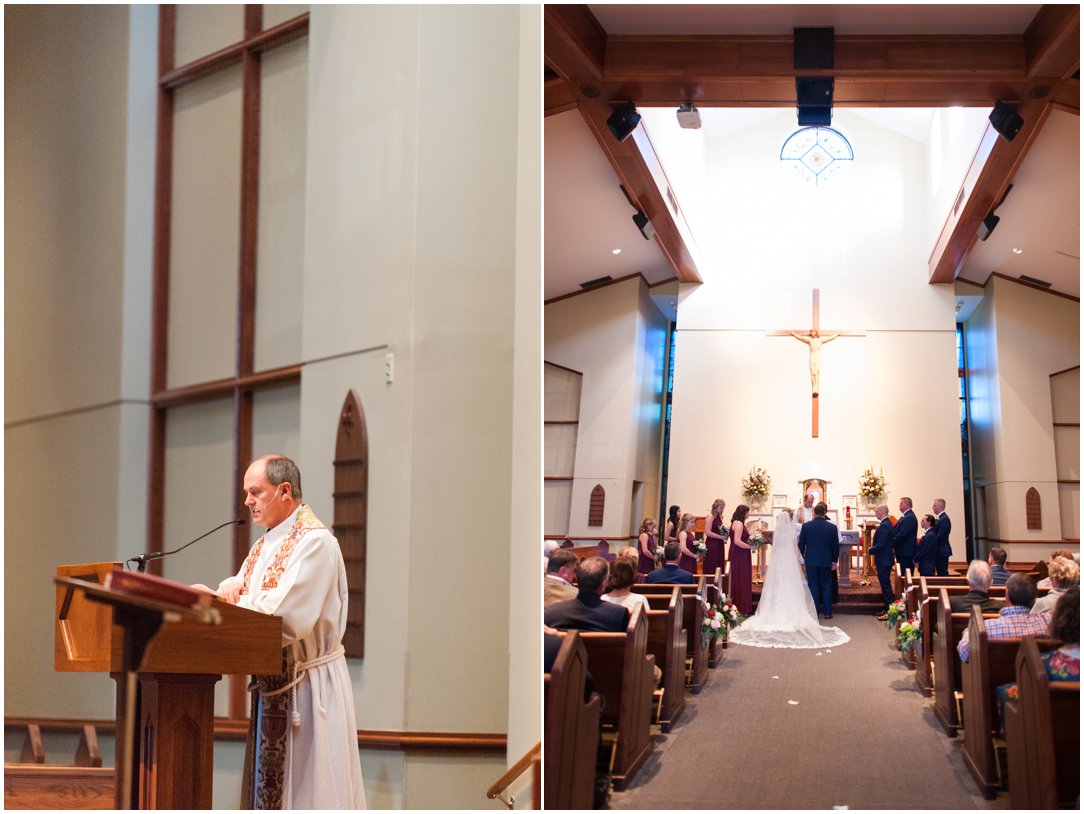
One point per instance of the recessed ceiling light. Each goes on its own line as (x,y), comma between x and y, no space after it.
(618,251)
(1017,251)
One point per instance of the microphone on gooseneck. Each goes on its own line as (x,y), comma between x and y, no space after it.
(142,560)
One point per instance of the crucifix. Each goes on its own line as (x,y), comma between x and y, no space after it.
(816,339)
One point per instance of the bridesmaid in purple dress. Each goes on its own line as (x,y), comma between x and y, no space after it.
(741,562)
(715,539)
(649,531)
(687,560)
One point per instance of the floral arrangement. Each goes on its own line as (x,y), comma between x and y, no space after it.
(720,618)
(870,486)
(757,484)
(659,551)
(700,547)
(909,634)
(897,612)
(756,540)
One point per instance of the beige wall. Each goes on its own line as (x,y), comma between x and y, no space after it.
(1017,337)
(411,250)
(617,338)
(75,325)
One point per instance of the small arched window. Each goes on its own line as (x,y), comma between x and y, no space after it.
(598,506)
(1034,507)
(351,498)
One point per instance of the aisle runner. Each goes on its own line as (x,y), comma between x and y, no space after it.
(807,729)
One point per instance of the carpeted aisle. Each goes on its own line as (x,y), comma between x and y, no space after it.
(860,736)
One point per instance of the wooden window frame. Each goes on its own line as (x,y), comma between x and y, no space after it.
(246,381)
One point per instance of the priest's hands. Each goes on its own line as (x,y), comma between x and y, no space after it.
(230,590)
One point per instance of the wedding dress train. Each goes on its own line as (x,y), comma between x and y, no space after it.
(786,615)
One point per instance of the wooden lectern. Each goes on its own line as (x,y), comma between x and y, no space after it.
(174,658)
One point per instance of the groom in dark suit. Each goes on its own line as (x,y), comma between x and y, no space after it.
(883,558)
(905,536)
(819,544)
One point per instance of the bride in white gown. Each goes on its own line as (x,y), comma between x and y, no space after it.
(786,615)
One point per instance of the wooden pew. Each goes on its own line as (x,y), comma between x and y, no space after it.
(697,649)
(930,599)
(666,642)
(992,662)
(47,786)
(572,729)
(33,784)
(1042,735)
(621,667)
(947,672)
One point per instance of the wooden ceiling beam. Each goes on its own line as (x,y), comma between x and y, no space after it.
(885,58)
(575,49)
(1052,42)
(992,169)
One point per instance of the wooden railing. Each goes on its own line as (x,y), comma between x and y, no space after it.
(528,761)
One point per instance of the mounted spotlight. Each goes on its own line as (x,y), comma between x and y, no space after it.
(623,120)
(688,116)
(1006,121)
(989,223)
(644,225)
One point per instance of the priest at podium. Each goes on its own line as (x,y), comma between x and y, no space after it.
(303,748)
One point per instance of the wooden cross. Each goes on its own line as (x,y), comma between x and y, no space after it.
(815,338)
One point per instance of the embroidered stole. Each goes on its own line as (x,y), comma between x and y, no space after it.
(264,778)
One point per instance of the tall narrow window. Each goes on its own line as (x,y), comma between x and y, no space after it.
(351,508)
(598,506)
(1034,507)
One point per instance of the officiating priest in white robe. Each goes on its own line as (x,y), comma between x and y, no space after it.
(306,749)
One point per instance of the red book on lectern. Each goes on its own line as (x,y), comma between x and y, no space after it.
(152,587)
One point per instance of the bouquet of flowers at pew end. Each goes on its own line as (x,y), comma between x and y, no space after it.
(721,618)
(909,635)
(756,540)
(897,612)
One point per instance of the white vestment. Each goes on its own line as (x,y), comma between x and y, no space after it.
(323,767)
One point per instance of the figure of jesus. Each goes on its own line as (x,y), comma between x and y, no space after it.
(815,341)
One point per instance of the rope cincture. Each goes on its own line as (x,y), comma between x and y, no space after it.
(297,672)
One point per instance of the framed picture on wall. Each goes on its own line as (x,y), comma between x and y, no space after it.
(852,501)
(779,501)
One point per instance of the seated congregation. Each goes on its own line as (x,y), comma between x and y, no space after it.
(626,645)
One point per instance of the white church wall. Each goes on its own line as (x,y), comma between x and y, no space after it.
(525,607)
(596,333)
(1035,334)
(888,399)
(955,133)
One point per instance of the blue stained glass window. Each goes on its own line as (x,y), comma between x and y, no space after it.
(817,154)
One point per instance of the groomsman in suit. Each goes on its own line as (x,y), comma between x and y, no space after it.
(944,527)
(905,535)
(819,545)
(883,558)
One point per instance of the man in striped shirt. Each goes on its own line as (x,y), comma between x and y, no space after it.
(1015,619)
